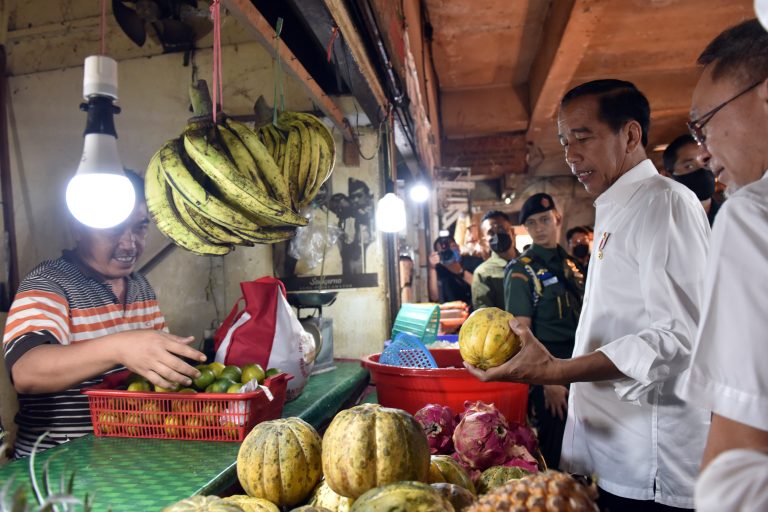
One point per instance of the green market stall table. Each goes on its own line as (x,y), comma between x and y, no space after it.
(134,475)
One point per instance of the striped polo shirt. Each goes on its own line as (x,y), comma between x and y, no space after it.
(62,301)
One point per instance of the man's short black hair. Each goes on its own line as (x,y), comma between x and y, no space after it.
(495,214)
(740,52)
(578,229)
(618,103)
(670,154)
(138,184)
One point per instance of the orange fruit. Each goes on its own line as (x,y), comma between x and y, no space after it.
(132,422)
(139,385)
(253,371)
(217,368)
(205,379)
(219,386)
(193,431)
(234,388)
(271,372)
(172,426)
(108,421)
(232,373)
(153,413)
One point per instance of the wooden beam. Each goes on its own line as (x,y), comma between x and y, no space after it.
(245,12)
(6,189)
(486,111)
(567,32)
(347,28)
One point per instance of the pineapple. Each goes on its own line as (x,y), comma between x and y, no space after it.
(49,498)
(550,491)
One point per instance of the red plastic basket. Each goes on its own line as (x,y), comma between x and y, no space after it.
(188,416)
(449,384)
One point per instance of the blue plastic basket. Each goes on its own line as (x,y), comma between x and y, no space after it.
(407,351)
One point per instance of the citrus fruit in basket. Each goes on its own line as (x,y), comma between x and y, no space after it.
(217,368)
(132,422)
(139,385)
(486,340)
(219,386)
(231,372)
(253,371)
(206,378)
(108,422)
(193,430)
(152,413)
(174,389)
(234,388)
(271,372)
(172,425)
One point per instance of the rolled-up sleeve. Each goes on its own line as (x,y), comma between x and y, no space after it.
(671,249)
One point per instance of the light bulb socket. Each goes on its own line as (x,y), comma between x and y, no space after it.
(101,113)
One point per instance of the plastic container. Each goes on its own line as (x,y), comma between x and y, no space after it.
(449,384)
(420,320)
(186,416)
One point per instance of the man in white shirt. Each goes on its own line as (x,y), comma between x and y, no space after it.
(729,369)
(639,316)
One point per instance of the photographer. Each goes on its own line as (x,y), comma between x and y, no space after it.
(450,273)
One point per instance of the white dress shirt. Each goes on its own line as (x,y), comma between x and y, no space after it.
(641,310)
(729,368)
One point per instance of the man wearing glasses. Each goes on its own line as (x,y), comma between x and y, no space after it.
(729,369)
(639,317)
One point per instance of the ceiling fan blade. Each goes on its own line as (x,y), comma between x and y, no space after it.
(131,23)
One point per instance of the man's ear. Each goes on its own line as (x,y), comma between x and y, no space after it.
(634,135)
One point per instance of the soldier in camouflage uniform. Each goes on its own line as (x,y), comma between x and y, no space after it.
(544,288)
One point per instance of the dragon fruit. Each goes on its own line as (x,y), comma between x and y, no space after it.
(482,436)
(520,457)
(523,436)
(438,423)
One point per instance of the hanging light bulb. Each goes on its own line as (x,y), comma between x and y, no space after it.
(100,195)
(419,192)
(390,214)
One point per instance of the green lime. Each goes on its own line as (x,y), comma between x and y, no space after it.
(271,372)
(187,390)
(205,379)
(219,386)
(232,373)
(175,388)
(139,385)
(253,371)
(217,368)
(234,388)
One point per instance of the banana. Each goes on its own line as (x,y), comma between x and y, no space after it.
(323,130)
(323,158)
(241,157)
(265,135)
(183,175)
(312,178)
(236,189)
(160,206)
(269,235)
(305,154)
(202,226)
(266,165)
(291,164)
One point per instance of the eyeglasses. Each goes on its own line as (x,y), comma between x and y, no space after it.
(696,126)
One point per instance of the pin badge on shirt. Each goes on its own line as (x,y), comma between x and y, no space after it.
(600,247)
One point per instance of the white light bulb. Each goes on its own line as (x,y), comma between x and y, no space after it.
(419,193)
(390,214)
(761,10)
(100,200)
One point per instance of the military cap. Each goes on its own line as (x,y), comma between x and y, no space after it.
(537,203)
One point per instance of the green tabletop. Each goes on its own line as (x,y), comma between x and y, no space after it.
(147,474)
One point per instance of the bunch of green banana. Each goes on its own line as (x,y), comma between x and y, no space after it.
(220,185)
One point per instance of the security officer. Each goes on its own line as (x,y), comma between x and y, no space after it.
(544,288)
(488,278)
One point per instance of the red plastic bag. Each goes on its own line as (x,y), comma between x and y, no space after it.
(266,331)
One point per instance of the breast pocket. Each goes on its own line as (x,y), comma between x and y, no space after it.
(554,300)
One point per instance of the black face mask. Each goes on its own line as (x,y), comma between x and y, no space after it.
(581,250)
(500,243)
(700,181)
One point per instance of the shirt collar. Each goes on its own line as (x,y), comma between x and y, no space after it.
(546,254)
(628,183)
